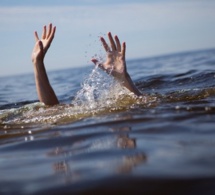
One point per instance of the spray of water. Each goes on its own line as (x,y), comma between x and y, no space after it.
(99,94)
(98,90)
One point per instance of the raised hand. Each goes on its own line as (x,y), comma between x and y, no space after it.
(115,63)
(44,90)
(42,45)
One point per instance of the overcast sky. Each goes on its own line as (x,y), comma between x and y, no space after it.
(150,28)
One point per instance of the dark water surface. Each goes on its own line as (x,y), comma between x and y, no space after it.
(102,139)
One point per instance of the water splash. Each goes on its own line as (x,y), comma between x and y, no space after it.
(98,90)
(100,94)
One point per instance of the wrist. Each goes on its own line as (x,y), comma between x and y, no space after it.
(122,77)
(127,82)
(37,61)
(39,67)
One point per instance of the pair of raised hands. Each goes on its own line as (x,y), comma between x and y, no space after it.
(115,63)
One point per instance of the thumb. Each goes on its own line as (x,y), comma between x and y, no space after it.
(95,61)
(41,46)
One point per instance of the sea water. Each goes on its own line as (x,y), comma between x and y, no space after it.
(101,138)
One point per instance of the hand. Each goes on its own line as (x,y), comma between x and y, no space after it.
(42,45)
(115,63)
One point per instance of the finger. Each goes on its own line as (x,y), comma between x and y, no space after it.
(51,37)
(96,63)
(36,36)
(123,49)
(118,44)
(105,45)
(113,46)
(44,32)
(49,30)
(41,46)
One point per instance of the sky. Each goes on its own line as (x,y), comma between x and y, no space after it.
(149,28)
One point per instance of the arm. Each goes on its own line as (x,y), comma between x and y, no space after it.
(115,63)
(44,90)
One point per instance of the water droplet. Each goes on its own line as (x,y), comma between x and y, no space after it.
(177,107)
(207,108)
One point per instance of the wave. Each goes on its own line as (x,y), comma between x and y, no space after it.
(100,94)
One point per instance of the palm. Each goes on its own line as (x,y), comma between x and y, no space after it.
(114,62)
(37,52)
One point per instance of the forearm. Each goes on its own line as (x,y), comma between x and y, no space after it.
(44,90)
(127,82)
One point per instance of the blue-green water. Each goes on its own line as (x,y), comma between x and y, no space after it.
(102,139)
